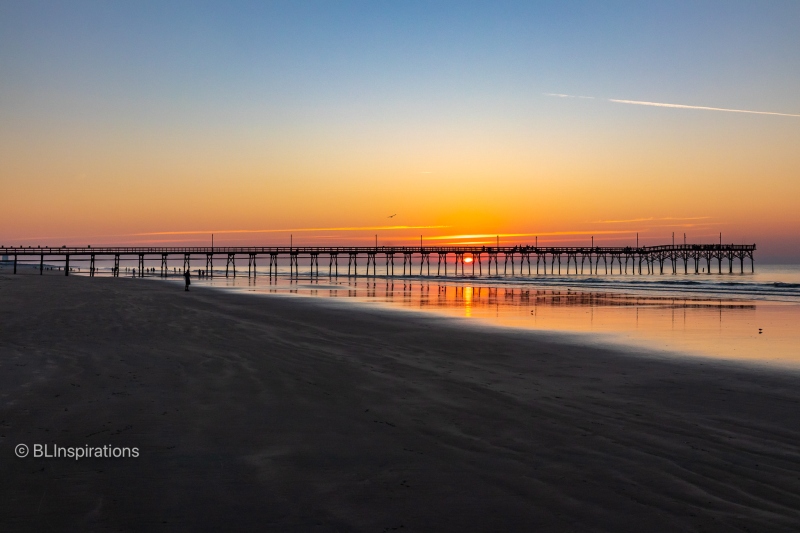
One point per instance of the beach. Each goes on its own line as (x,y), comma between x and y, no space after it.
(258,412)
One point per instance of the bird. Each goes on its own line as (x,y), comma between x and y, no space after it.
(392,216)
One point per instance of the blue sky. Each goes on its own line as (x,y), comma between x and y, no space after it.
(148,55)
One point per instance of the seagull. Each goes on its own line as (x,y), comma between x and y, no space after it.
(392,216)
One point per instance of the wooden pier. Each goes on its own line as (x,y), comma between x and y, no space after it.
(516,260)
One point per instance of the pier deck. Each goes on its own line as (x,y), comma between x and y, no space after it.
(530,260)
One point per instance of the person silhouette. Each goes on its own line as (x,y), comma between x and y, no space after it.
(186,276)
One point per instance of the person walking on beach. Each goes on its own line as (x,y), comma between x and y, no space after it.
(186,276)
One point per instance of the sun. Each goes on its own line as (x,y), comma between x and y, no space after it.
(468,260)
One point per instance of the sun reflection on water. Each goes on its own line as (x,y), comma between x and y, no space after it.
(719,327)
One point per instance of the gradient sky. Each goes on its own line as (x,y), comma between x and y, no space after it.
(160,122)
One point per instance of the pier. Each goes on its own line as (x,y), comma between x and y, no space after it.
(466,260)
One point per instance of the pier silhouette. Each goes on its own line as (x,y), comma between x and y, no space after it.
(515,260)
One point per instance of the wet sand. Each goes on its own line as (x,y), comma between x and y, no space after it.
(291,414)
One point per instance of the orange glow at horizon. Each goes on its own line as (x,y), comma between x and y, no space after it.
(569,203)
(565,191)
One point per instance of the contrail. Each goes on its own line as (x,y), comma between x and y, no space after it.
(705,108)
(678,106)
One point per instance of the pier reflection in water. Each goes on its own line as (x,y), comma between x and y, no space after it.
(691,324)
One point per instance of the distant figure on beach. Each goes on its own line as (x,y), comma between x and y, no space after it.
(186,276)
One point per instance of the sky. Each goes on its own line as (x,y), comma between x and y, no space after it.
(333,122)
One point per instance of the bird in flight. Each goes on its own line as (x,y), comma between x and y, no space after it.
(392,216)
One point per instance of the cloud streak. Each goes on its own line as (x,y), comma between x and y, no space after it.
(559,95)
(679,106)
(649,219)
(222,232)
(541,234)
(298,230)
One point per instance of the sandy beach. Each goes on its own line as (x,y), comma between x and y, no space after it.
(259,413)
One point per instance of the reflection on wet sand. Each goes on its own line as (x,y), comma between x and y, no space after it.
(719,327)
